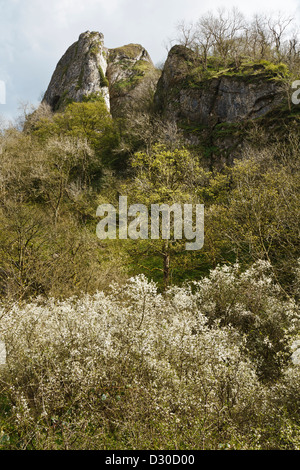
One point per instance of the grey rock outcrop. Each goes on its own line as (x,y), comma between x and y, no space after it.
(80,72)
(131,75)
(89,69)
(181,95)
(199,100)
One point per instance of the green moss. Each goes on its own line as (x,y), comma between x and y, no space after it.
(140,69)
(80,79)
(93,98)
(248,71)
(131,51)
(96,46)
(215,63)
(63,101)
(65,70)
(94,50)
(193,128)
(225,129)
(103,79)
(277,69)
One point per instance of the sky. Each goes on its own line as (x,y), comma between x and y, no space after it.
(34,34)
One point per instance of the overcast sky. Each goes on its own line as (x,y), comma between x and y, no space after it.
(34,34)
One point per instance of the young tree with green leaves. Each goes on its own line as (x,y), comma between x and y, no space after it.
(163,176)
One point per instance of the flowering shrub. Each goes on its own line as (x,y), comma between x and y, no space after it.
(252,302)
(132,368)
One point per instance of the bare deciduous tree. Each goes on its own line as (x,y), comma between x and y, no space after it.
(278,26)
(228,36)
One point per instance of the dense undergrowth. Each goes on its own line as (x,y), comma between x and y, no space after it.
(135,369)
(139,344)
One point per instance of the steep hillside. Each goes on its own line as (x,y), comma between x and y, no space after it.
(217,105)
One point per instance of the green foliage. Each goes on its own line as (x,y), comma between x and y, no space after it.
(80,79)
(103,79)
(47,210)
(263,207)
(130,51)
(93,97)
(129,367)
(163,176)
(134,77)
(87,120)
(249,71)
(280,70)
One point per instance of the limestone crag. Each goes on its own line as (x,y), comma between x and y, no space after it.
(123,59)
(199,98)
(89,70)
(80,72)
(225,97)
(130,73)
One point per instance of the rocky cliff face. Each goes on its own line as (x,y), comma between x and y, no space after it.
(186,93)
(131,75)
(88,69)
(210,103)
(80,72)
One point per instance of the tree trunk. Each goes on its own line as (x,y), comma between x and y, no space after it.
(166,258)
